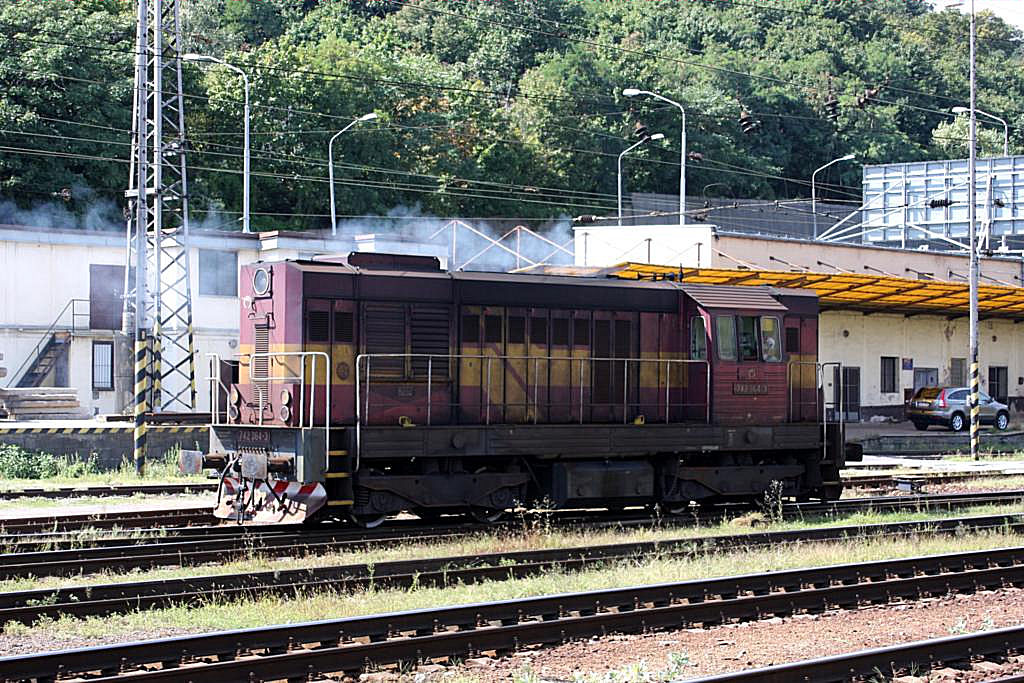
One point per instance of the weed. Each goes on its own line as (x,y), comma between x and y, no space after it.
(772,502)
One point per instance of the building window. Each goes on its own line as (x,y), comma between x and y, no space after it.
(958,371)
(998,387)
(102,366)
(890,380)
(218,273)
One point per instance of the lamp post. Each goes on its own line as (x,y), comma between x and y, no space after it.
(633,92)
(972,237)
(1006,126)
(330,164)
(191,57)
(644,140)
(814,196)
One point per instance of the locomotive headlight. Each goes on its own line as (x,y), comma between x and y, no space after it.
(233,413)
(261,282)
(235,397)
(286,397)
(285,413)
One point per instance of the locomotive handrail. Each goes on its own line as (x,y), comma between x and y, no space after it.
(362,394)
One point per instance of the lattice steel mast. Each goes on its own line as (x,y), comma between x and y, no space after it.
(158,301)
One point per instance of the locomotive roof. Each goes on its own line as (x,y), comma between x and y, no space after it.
(595,280)
(523,289)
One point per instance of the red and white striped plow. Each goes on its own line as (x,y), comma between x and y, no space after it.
(274,502)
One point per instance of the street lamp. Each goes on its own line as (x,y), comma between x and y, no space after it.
(814,196)
(972,238)
(1006,126)
(191,57)
(633,92)
(330,164)
(645,139)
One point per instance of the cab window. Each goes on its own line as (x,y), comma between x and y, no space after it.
(698,339)
(771,346)
(748,338)
(725,331)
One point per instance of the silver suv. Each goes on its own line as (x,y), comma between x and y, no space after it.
(947,406)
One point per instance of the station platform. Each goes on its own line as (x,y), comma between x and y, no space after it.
(901,438)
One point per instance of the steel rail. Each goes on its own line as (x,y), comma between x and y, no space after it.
(177,552)
(139,519)
(113,490)
(307,649)
(923,479)
(104,599)
(925,654)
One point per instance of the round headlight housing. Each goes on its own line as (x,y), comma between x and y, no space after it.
(285,413)
(235,397)
(286,397)
(261,282)
(233,413)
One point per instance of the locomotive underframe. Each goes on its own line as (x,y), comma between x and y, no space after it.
(433,469)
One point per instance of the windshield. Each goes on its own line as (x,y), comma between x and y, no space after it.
(928,393)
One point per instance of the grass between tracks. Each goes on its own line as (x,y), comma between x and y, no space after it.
(327,603)
(532,534)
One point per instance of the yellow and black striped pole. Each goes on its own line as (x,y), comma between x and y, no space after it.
(141,388)
(975,407)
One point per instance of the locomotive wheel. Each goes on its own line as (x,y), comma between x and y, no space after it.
(368,521)
(486,515)
(675,509)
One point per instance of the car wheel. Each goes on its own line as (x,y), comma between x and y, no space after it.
(920,426)
(956,423)
(1002,422)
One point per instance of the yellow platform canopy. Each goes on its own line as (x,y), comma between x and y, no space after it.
(849,291)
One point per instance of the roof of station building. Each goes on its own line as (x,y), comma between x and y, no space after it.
(849,291)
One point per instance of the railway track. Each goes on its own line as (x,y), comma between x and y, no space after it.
(139,519)
(106,491)
(920,655)
(307,650)
(219,544)
(95,600)
(920,479)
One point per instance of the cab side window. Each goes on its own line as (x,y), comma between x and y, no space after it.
(698,339)
(771,344)
(725,332)
(748,338)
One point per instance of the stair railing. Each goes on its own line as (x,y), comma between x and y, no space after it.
(79,309)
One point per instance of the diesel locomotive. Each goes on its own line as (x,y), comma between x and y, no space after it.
(375,384)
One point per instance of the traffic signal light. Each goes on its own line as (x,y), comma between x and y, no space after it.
(640,130)
(748,123)
(832,107)
(864,98)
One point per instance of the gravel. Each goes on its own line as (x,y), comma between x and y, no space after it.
(776,641)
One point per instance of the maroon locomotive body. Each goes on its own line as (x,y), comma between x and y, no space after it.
(376,384)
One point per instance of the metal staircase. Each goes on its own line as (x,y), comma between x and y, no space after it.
(52,347)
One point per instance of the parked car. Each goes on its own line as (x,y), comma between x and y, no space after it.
(947,406)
